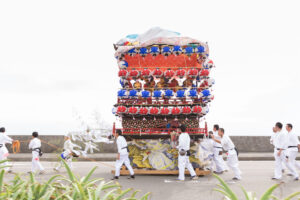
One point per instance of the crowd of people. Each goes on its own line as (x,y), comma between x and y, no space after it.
(286,147)
(34,146)
(220,140)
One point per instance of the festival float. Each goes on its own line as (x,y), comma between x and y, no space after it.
(164,82)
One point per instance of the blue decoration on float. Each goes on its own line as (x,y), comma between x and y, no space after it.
(122,82)
(132,93)
(189,50)
(131,51)
(125,63)
(200,49)
(177,49)
(154,50)
(145,94)
(157,94)
(180,93)
(205,93)
(166,49)
(132,36)
(193,93)
(169,93)
(206,66)
(121,93)
(143,51)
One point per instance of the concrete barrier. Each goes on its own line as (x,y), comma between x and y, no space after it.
(54,144)
(252,143)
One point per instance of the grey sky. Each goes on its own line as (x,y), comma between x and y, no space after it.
(57,57)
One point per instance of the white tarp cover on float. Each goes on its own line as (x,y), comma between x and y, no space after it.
(155,35)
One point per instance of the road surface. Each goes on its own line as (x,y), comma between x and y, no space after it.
(256,177)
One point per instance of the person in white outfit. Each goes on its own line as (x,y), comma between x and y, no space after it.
(217,152)
(67,153)
(232,154)
(283,164)
(183,147)
(122,157)
(280,142)
(4,139)
(35,146)
(292,150)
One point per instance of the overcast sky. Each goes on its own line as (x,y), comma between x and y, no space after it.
(57,59)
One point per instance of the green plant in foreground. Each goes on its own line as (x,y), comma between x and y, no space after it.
(224,189)
(59,187)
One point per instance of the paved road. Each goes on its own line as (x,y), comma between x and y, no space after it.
(256,177)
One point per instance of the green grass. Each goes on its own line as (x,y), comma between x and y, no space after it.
(225,190)
(59,187)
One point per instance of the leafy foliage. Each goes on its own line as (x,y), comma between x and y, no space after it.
(59,187)
(224,189)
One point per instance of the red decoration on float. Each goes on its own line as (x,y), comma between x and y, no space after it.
(157,73)
(210,64)
(154,111)
(134,73)
(143,111)
(121,109)
(186,110)
(164,111)
(204,72)
(176,111)
(192,73)
(145,73)
(180,73)
(197,109)
(133,110)
(123,73)
(169,73)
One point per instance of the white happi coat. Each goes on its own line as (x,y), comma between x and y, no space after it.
(280,141)
(292,152)
(36,165)
(232,158)
(217,158)
(184,161)
(124,159)
(4,139)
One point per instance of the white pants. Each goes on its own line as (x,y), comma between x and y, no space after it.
(123,160)
(279,160)
(184,162)
(291,161)
(233,163)
(219,161)
(68,161)
(3,156)
(36,165)
(293,155)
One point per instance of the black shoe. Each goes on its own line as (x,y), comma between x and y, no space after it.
(115,178)
(277,179)
(218,172)
(131,177)
(296,179)
(235,179)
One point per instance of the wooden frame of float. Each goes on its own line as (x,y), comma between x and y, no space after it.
(124,172)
